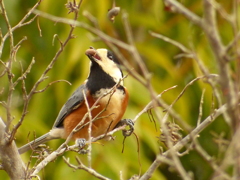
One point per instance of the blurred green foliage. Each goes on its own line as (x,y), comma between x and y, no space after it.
(73,66)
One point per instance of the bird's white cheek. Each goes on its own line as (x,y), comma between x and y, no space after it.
(113,71)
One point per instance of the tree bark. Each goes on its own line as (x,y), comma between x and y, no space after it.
(10,158)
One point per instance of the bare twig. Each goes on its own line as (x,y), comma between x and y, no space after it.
(24,75)
(20,24)
(171,41)
(85,168)
(8,65)
(150,105)
(179,8)
(89,130)
(50,84)
(211,118)
(200,108)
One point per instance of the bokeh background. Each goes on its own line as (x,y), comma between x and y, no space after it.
(73,66)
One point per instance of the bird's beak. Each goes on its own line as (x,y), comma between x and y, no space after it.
(92,54)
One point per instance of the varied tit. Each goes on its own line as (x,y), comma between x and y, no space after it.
(105,74)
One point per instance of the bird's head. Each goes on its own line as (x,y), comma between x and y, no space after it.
(104,69)
(106,61)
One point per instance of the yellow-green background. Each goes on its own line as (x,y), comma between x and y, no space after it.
(73,65)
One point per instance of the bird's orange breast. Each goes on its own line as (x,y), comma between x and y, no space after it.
(105,116)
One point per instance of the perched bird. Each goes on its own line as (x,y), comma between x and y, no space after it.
(105,74)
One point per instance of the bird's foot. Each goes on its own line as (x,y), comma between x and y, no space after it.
(81,143)
(129,123)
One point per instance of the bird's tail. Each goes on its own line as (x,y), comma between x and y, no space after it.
(33,144)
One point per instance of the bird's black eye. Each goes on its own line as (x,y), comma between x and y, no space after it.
(110,57)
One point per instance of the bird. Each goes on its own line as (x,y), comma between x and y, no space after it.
(105,75)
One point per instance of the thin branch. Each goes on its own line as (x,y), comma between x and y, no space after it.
(171,41)
(212,80)
(210,27)
(185,88)
(24,75)
(85,168)
(4,13)
(20,24)
(50,84)
(211,118)
(201,108)
(8,65)
(89,129)
(179,8)
(150,104)
(134,52)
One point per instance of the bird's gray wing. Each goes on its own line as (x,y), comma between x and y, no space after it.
(72,103)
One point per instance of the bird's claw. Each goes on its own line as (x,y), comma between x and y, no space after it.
(80,143)
(128,122)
